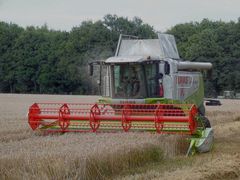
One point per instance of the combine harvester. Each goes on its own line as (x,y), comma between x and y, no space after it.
(144,87)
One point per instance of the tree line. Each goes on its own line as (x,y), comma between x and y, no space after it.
(42,60)
(217,42)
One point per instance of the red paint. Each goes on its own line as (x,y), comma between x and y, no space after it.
(64,115)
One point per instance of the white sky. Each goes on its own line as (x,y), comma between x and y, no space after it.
(162,14)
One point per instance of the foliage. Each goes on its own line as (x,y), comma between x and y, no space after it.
(216,42)
(39,60)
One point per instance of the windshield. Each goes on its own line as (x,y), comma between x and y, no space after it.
(152,79)
(128,81)
(135,81)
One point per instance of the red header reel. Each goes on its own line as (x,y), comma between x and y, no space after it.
(74,117)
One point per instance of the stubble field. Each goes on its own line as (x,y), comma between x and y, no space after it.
(25,154)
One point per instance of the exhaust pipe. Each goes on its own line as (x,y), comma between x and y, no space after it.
(194,65)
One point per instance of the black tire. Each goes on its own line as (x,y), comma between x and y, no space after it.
(201,109)
(206,122)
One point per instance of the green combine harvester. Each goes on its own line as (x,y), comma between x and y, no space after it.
(144,87)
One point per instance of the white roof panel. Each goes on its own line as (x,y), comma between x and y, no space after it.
(126,59)
(161,48)
(142,47)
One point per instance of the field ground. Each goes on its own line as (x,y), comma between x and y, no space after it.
(25,154)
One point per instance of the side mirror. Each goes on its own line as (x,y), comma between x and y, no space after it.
(90,66)
(167,68)
(159,76)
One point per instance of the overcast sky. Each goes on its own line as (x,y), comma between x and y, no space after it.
(162,14)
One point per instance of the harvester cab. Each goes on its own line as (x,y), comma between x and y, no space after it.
(150,71)
(144,87)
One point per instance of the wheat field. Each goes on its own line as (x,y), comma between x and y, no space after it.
(25,154)
(223,162)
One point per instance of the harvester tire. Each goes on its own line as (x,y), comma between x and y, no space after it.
(206,122)
(201,110)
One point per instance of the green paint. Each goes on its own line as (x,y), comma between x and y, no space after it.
(105,100)
(198,96)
